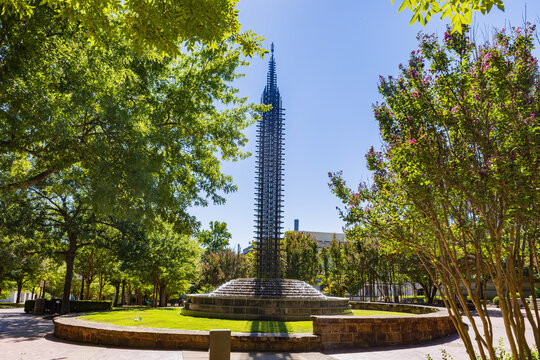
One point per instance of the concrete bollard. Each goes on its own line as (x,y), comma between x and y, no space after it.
(220,344)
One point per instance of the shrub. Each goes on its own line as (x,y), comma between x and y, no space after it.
(496,301)
(29,306)
(89,305)
(10,305)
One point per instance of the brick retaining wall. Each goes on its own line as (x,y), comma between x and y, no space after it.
(363,331)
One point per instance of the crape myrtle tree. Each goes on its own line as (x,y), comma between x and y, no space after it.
(456,180)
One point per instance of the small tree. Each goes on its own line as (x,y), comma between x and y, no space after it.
(215,239)
(300,259)
(219,267)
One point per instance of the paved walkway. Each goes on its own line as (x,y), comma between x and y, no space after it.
(24,336)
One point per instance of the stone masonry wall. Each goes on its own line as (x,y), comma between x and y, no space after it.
(362,331)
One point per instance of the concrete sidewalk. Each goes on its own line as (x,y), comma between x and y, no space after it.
(24,336)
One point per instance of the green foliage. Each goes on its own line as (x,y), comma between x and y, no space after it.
(459,12)
(215,239)
(166,26)
(156,128)
(222,266)
(496,300)
(337,280)
(167,260)
(299,252)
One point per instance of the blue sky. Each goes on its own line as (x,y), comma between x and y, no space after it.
(329,55)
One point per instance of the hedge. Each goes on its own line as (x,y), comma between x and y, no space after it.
(75,306)
(89,305)
(29,306)
(10,305)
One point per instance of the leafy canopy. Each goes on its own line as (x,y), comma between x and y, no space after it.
(136,130)
(459,12)
(216,238)
(165,26)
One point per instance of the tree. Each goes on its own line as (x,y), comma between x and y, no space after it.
(216,239)
(457,178)
(118,135)
(169,263)
(166,26)
(120,115)
(337,280)
(219,267)
(459,12)
(300,256)
(27,268)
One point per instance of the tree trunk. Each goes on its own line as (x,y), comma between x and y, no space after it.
(117,286)
(70,259)
(129,295)
(88,283)
(19,289)
(123,298)
(81,296)
(101,285)
(163,295)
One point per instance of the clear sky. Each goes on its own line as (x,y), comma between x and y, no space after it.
(329,55)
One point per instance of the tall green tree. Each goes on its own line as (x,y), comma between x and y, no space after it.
(169,263)
(125,117)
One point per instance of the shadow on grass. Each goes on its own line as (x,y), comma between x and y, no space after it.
(269,327)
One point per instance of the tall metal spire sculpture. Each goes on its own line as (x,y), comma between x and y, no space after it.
(269,179)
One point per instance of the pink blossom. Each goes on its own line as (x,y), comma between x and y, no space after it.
(454,110)
(412,141)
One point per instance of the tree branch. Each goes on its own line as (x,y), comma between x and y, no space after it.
(26,183)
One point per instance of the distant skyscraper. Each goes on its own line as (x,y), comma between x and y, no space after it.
(269,179)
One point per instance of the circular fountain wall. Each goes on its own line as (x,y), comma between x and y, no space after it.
(265,299)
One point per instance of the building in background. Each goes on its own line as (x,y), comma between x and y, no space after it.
(323,238)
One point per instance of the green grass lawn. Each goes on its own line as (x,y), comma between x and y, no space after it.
(170,318)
